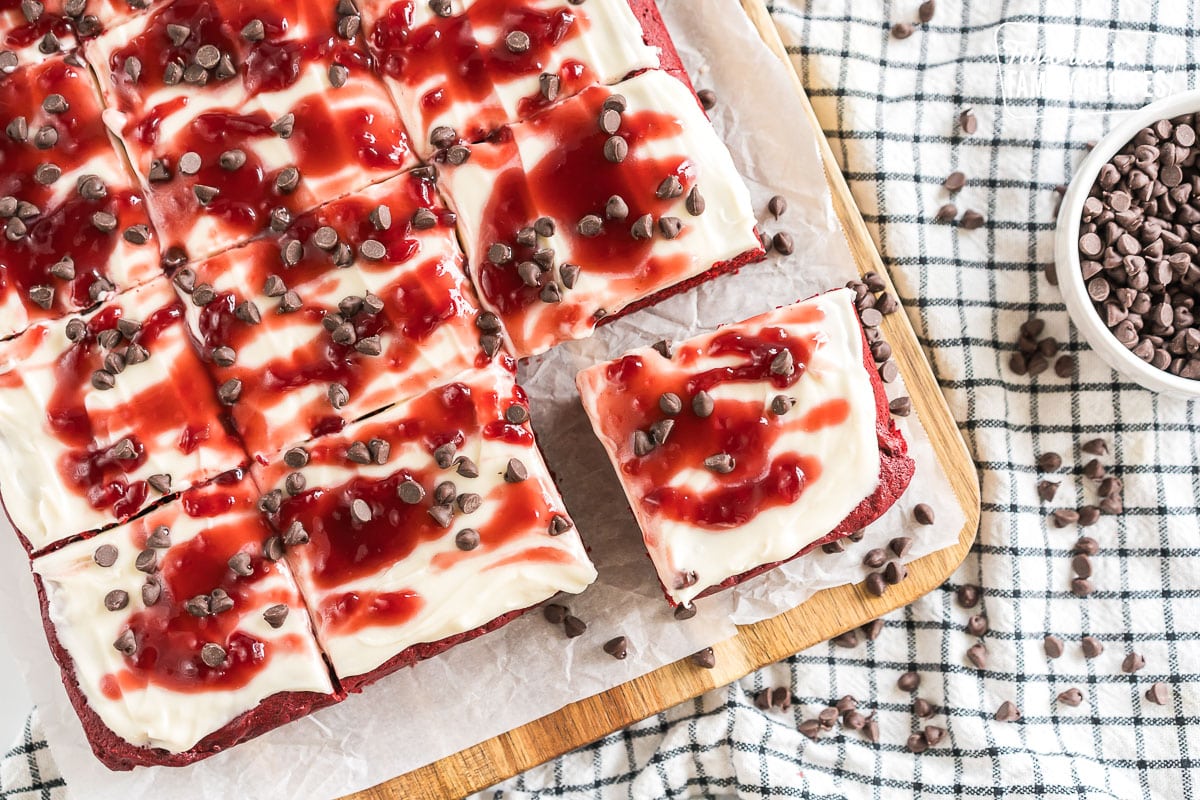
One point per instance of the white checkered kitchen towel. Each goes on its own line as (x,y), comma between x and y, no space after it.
(893,106)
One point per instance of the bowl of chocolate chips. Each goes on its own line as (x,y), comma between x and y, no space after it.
(1128,247)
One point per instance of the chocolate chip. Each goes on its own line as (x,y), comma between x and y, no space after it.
(894,572)
(55,104)
(458,154)
(1081,587)
(901,545)
(968,122)
(1132,663)
(616,149)
(230,391)
(1092,647)
(289,302)
(466,467)
(1088,515)
(977,625)
(338,75)
(663,347)
(372,250)
(1049,462)
(1071,697)
(954,181)
(902,30)
(617,647)
(590,226)
(971,219)
(670,227)
(1053,646)
(160,482)
(704,659)
(116,600)
(295,535)
(977,655)
(908,682)
(147,561)
(548,84)
(276,615)
(875,558)
(294,483)
(643,227)
(720,463)
(517,41)
(515,472)
(574,626)
(684,611)
(159,538)
(126,644)
(923,514)
(213,655)
(1159,693)
(702,404)
(967,595)
(708,99)
(273,548)
(695,202)
(554,613)
(875,584)
(240,564)
(926,10)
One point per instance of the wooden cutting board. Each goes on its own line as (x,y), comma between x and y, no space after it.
(824,616)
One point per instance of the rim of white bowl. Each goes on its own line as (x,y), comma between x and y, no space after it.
(1066,250)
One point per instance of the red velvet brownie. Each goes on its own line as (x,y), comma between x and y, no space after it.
(177,633)
(238,116)
(104,414)
(745,447)
(459,69)
(360,304)
(596,203)
(75,229)
(433,520)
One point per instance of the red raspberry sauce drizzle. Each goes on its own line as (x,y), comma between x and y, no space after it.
(574,180)
(88,467)
(447,51)
(744,430)
(343,550)
(66,231)
(169,638)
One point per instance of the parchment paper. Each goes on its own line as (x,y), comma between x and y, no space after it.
(529,669)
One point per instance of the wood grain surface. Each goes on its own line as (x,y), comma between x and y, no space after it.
(824,616)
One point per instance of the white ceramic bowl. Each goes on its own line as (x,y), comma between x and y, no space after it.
(1066,251)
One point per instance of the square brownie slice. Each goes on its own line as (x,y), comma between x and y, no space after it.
(358,305)
(102,415)
(459,69)
(598,203)
(33,32)
(424,525)
(234,114)
(75,228)
(177,635)
(745,447)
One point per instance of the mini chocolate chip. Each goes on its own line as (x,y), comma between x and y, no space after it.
(517,41)
(105,555)
(923,514)
(104,222)
(720,463)
(289,302)
(276,615)
(126,644)
(670,227)
(901,406)
(554,613)
(702,404)
(294,483)
(617,647)
(230,391)
(55,104)
(1132,663)
(466,467)
(240,564)
(1063,517)
(783,363)
(468,502)
(968,122)
(643,227)
(1092,646)
(205,194)
(213,655)
(357,452)
(574,626)
(443,455)
(1081,587)
(1159,693)
(901,545)
(875,584)
(977,655)
(1053,646)
(159,538)
(467,539)
(967,595)
(708,99)
(875,558)
(560,524)
(516,414)
(287,180)
(458,154)
(372,250)
(295,534)
(977,625)
(248,312)
(360,511)
(160,482)
(338,75)
(590,226)
(971,219)
(423,219)
(515,472)
(147,561)
(1071,697)
(695,202)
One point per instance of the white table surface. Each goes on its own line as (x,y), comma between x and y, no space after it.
(14,700)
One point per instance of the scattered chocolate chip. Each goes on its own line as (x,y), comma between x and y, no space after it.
(922,708)
(720,463)
(1159,693)
(704,659)
(875,584)
(466,539)
(968,122)
(848,640)
(908,682)
(875,558)
(574,626)
(617,647)
(1052,645)
(967,595)
(954,181)
(1081,587)
(147,561)
(560,524)
(902,30)
(643,227)
(977,625)
(670,227)
(977,655)
(1092,646)
(923,514)
(1132,663)
(971,219)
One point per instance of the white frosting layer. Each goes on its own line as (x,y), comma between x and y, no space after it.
(848,452)
(459,591)
(145,712)
(344,138)
(276,410)
(171,385)
(602,38)
(724,231)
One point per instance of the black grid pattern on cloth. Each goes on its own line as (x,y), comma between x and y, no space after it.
(894,105)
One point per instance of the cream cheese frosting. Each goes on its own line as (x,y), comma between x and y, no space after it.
(791,477)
